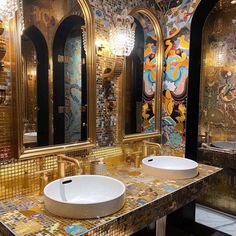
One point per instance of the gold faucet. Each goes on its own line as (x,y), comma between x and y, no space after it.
(155,147)
(62,159)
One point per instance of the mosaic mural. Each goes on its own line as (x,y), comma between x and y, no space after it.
(178,23)
(73,89)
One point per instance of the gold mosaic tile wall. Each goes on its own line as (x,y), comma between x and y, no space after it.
(7,133)
(218,80)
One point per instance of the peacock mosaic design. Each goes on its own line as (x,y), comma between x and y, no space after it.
(178,22)
(73,89)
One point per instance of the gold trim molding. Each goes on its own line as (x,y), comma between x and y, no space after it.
(160,63)
(91,66)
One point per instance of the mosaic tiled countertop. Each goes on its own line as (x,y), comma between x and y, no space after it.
(147,199)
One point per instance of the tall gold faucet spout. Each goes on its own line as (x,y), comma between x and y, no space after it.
(62,159)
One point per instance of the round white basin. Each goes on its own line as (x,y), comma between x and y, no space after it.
(84,196)
(228,145)
(169,167)
(30,137)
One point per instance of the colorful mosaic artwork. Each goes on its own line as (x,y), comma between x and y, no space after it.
(176,76)
(73,89)
(147,199)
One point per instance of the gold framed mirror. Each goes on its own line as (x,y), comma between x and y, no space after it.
(142,81)
(55,77)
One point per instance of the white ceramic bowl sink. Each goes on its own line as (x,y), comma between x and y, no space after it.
(228,145)
(30,137)
(169,167)
(84,196)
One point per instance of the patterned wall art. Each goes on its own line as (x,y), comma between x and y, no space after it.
(177,32)
(73,89)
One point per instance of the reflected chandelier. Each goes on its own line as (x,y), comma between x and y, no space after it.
(122,34)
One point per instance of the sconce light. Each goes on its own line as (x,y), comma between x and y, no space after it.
(8,8)
(122,34)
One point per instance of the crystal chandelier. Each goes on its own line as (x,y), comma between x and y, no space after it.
(8,9)
(122,34)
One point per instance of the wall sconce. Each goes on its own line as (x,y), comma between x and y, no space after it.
(8,8)
(122,34)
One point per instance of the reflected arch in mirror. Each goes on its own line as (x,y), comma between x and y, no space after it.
(134,83)
(142,83)
(35,80)
(88,141)
(69,82)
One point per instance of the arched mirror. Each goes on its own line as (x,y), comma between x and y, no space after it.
(142,81)
(56,77)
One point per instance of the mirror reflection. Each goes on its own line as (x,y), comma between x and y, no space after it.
(69,82)
(141,79)
(35,86)
(54,77)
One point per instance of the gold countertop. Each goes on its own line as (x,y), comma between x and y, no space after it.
(147,199)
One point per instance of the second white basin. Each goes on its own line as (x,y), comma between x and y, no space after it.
(84,196)
(227,145)
(30,137)
(169,167)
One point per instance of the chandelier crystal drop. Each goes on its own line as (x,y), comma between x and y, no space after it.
(84,38)
(8,9)
(122,34)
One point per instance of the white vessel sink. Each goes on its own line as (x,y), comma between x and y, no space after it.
(227,145)
(84,196)
(30,137)
(169,167)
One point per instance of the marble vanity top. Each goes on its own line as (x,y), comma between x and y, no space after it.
(147,199)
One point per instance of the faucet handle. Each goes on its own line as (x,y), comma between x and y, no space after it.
(43,178)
